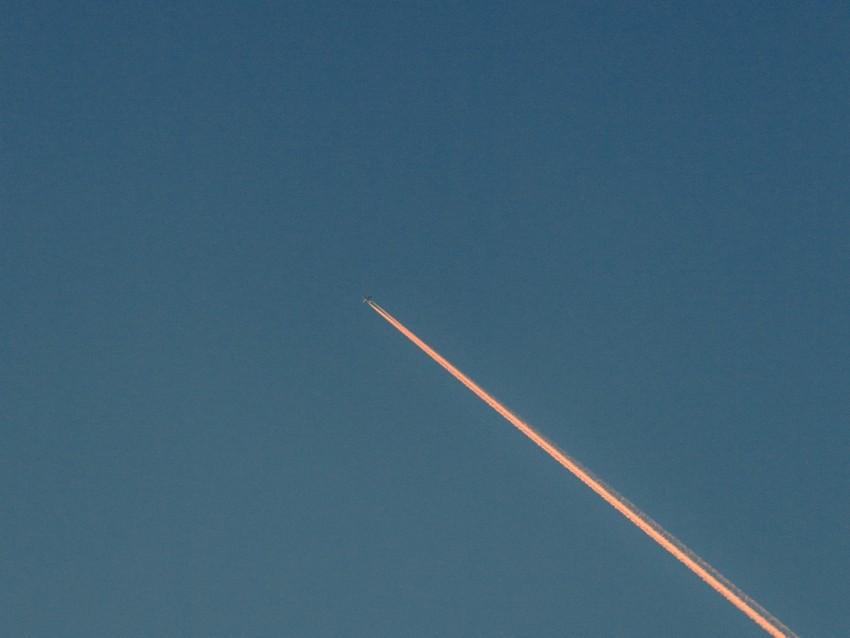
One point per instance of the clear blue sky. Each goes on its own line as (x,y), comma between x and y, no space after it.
(631,224)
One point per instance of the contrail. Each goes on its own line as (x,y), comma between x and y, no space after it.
(715,579)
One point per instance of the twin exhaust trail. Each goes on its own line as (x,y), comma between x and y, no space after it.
(715,579)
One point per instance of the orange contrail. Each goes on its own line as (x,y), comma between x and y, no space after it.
(657,533)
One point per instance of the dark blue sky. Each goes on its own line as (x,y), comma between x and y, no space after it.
(629,223)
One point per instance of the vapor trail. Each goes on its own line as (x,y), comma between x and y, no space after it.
(715,579)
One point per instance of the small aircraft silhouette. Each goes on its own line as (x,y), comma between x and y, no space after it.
(367,299)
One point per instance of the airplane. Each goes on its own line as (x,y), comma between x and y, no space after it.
(367,299)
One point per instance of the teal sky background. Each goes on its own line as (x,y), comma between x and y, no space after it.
(629,223)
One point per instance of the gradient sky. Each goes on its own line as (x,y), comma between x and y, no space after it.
(630,224)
